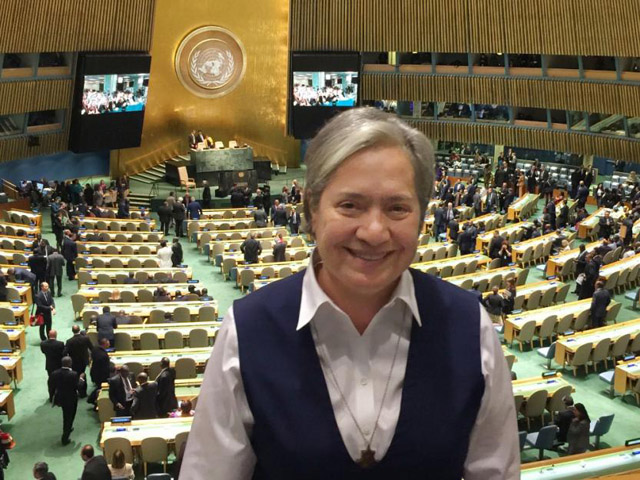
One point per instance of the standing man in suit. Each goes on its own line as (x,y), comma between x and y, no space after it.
(606,225)
(599,303)
(64,384)
(494,304)
(495,244)
(100,363)
(551,209)
(106,324)
(38,265)
(95,466)
(439,221)
(121,388)
(294,221)
(583,194)
(46,306)
(279,249)
(278,215)
(465,240)
(260,217)
(179,212)
(144,399)
(78,347)
(206,194)
(70,253)
(251,249)
(53,350)
(194,209)
(166,400)
(55,262)
(165,214)
(491,202)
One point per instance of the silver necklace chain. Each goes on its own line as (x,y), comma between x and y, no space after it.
(342,397)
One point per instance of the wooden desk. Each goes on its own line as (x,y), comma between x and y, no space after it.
(147,357)
(16,334)
(20,311)
(289,252)
(555,264)
(239,234)
(570,343)
(125,236)
(116,224)
(143,310)
(85,247)
(258,267)
(486,274)
(161,329)
(453,261)
(138,430)
(529,288)
(514,322)
(33,217)
(518,249)
(585,226)
(515,209)
(625,375)
(113,272)
(13,363)
(219,213)
(27,229)
(619,266)
(7,401)
(90,259)
(236,243)
(24,289)
(528,386)
(92,292)
(19,243)
(483,240)
(585,465)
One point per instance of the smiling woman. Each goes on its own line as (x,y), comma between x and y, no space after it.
(329,373)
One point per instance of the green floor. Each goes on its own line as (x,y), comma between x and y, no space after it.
(37,427)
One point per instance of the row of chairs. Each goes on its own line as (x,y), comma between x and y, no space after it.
(529,209)
(113,249)
(120,225)
(173,339)
(436,253)
(498,280)
(461,268)
(15,244)
(15,259)
(605,350)
(9,229)
(219,248)
(105,279)
(122,238)
(15,217)
(540,299)
(185,368)
(82,262)
(206,313)
(205,238)
(151,450)
(6,316)
(266,272)
(540,253)
(622,280)
(539,402)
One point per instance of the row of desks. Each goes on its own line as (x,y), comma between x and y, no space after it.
(113,273)
(143,310)
(92,292)
(161,330)
(109,236)
(8,228)
(126,248)
(32,217)
(586,225)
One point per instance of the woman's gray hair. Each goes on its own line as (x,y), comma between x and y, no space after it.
(356,130)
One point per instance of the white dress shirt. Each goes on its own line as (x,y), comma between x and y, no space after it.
(219,444)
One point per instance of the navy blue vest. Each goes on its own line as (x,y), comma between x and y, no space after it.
(295,435)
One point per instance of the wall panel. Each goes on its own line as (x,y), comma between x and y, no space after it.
(568,27)
(17,147)
(35,95)
(72,25)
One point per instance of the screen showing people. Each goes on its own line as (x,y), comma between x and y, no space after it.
(104,94)
(325,89)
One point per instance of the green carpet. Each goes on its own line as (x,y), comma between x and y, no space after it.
(37,426)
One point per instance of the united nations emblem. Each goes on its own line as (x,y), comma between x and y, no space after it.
(210,62)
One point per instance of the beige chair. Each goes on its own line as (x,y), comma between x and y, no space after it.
(149,341)
(581,321)
(522,277)
(173,339)
(580,358)
(128,296)
(566,271)
(135,368)
(181,314)
(154,449)
(123,341)
(547,329)
(518,302)
(555,403)
(533,301)
(612,313)
(446,271)
(5,343)
(471,267)
(154,370)
(105,409)
(87,317)
(459,269)
(547,297)
(81,262)
(268,272)
(104,279)
(525,335)
(564,324)
(77,303)
(483,285)
(561,294)
(156,316)
(535,406)
(207,313)
(198,338)
(144,250)
(227,265)
(600,353)
(440,253)
(150,263)
(495,263)
(181,438)
(145,296)
(496,281)
(619,347)
(186,368)
(621,284)
(467,284)
(247,276)
(180,277)
(126,250)
(6,316)
(104,296)
(116,263)
(525,259)
(141,276)
(120,238)
(118,443)
(611,282)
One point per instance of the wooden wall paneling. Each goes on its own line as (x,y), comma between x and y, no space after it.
(34,95)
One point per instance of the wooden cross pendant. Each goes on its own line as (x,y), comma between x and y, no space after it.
(367,458)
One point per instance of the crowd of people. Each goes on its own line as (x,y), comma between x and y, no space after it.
(310,96)
(95,102)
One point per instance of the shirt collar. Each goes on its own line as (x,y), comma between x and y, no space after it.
(313,297)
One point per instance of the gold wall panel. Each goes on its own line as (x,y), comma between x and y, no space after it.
(573,142)
(75,25)
(16,147)
(521,92)
(568,27)
(35,95)
(255,112)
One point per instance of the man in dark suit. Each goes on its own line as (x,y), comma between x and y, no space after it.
(279,215)
(166,400)
(55,262)
(439,222)
(491,202)
(100,363)
(24,275)
(454,228)
(494,304)
(206,194)
(600,300)
(70,253)
(279,249)
(563,216)
(45,306)
(564,418)
(260,217)
(495,244)
(53,350)
(38,265)
(165,214)
(95,466)
(606,225)
(64,384)
(78,347)
(465,240)
(131,279)
(121,387)
(144,399)
(294,221)
(251,249)
(179,213)
(583,194)
(106,324)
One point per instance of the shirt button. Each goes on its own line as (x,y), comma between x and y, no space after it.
(366,432)
(364,381)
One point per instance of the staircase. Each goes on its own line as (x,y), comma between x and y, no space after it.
(137,200)
(152,175)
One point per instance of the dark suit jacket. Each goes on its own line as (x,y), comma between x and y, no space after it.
(69,249)
(79,348)
(45,302)
(465,242)
(52,350)
(64,383)
(164,213)
(563,421)
(279,217)
(116,389)
(24,275)
(494,304)
(99,365)
(55,262)
(105,324)
(96,469)
(601,299)
(438,216)
(279,250)
(495,245)
(166,397)
(144,401)
(38,265)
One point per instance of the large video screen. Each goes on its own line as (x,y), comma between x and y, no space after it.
(325,89)
(323,84)
(110,100)
(114,93)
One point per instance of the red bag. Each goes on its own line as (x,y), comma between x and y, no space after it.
(36,320)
